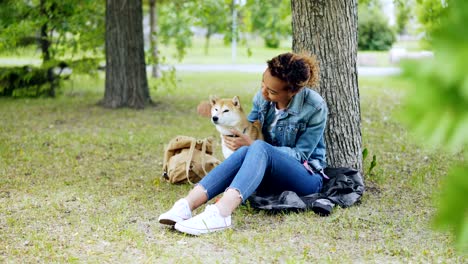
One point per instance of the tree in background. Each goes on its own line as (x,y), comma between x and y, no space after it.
(403,15)
(63,31)
(328,29)
(155,71)
(374,31)
(126,81)
(271,19)
(437,110)
(163,29)
(213,16)
(176,20)
(59,28)
(429,13)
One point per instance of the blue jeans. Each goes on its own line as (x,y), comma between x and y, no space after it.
(263,168)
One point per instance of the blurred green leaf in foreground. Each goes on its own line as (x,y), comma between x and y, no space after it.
(437,110)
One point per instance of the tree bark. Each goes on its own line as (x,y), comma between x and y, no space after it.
(45,43)
(154,39)
(207,40)
(328,29)
(126,81)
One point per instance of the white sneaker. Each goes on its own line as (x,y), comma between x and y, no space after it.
(208,221)
(179,212)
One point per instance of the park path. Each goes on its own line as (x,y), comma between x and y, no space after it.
(259,68)
(248,68)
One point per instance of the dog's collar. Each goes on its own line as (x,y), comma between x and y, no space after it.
(243,132)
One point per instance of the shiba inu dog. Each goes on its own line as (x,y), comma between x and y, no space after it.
(227,114)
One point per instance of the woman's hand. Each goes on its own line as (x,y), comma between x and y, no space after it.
(233,143)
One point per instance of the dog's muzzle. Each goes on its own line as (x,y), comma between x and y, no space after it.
(215,119)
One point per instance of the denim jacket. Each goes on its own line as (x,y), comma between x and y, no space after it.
(299,130)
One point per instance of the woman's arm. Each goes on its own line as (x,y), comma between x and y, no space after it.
(309,139)
(253,115)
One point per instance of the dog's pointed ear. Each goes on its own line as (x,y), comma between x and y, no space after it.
(236,101)
(213,99)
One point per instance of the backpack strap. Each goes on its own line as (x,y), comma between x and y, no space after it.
(188,161)
(203,152)
(167,155)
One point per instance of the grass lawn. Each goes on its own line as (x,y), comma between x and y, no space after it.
(219,53)
(79,183)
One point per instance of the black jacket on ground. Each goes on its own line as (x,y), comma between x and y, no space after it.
(344,188)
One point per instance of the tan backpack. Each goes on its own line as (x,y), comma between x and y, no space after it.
(187,159)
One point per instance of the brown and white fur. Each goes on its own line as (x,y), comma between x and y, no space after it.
(227,114)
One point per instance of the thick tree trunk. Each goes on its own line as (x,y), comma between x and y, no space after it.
(126,81)
(328,29)
(207,41)
(153,38)
(44,43)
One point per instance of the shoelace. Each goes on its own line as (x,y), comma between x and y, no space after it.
(212,214)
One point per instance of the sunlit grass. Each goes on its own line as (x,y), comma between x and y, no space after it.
(251,52)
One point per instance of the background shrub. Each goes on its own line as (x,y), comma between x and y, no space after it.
(374,32)
(27,81)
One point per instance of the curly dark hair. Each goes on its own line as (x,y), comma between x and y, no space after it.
(297,70)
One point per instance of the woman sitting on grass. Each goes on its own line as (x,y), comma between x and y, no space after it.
(293,119)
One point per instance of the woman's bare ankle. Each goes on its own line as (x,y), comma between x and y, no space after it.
(229,202)
(196,197)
